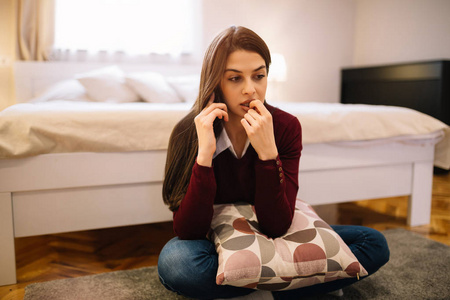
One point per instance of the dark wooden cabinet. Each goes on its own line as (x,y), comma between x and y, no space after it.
(423,86)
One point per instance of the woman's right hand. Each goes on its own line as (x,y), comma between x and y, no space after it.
(205,133)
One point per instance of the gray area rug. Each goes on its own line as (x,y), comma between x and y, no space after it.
(418,269)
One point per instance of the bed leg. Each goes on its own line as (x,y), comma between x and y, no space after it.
(7,252)
(419,206)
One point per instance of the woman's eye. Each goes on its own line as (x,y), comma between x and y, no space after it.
(260,76)
(234,79)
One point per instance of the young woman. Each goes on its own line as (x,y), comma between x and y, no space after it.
(233,146)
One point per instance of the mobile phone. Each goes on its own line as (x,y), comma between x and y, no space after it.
(218,123)
(218,96)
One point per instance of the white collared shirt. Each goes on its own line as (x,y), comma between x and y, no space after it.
(223,143)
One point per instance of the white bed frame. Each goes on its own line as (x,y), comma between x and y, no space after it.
(53,193)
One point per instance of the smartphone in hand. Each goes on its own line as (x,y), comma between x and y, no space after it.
(218,96)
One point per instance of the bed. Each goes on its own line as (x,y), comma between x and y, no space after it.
(69,165)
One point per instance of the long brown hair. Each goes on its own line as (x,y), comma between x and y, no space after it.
(183,144)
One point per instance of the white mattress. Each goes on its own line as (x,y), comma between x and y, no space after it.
(29,129)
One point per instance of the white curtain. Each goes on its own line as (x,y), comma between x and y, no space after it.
(35,29)
(124,30)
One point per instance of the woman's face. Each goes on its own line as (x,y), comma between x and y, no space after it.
(244,80)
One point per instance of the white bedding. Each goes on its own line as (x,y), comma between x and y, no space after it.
(29,129)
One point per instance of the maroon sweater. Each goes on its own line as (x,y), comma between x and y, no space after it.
(271,186)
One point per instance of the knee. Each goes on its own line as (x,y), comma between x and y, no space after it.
(384,249)
(172,262)
(381,244)
(380,249)
(185,266)
(170,254)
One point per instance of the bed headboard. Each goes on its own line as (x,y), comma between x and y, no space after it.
(31,78)
(423,86)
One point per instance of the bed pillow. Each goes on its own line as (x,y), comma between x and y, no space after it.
(152,87)
(69,89)
(186,86)
(310,252)
(107,85)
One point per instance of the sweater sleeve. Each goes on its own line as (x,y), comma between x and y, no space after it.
(192,219)
(277,182)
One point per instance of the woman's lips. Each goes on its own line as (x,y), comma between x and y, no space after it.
(246,103)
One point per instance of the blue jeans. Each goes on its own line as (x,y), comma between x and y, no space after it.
(188,267)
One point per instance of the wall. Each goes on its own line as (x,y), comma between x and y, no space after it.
(315,37)
(392,31)
(7,52)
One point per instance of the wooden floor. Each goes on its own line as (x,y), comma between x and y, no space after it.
(76,254)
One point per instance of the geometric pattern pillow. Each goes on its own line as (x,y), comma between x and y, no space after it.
(309,253)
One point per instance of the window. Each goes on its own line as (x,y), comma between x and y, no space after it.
(133,27)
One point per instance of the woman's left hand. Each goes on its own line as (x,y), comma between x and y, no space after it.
(258,124)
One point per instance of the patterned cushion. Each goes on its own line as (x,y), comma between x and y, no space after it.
(310,252)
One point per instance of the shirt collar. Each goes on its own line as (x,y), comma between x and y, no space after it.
(223,143)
